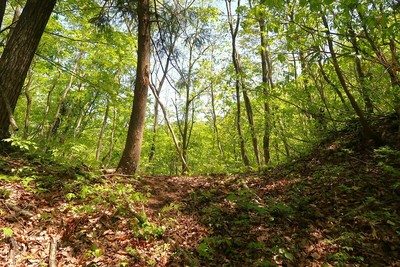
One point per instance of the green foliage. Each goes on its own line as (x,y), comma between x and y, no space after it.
(8,232)
(282,252)
(304,93)
(4,193)
(205,250)
(148,230)
(389,160)
(22,144)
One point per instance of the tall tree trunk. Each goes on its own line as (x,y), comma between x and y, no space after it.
(360,73)
(28,112)
(156,91)
(79,120)
(28,104)
(56,118)
(129,162)
(284,139)
(250,117)
(48,104)
(367,130)
(234,30)
(187,126)
(152,154)
(267,83)
(18,54)
(13,123)
(101,134)
(333,85)
(111,147)
(321,118)
(17,15)
(171,130)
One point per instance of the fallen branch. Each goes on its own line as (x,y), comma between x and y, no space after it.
(17,209)
(53,252)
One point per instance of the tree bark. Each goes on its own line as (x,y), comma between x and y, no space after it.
(28,105)
(17,15)
(129,162)
(107,157)
(18,54)
(234,30)
(152,154)
(101,134)
(267,83)
(48,104)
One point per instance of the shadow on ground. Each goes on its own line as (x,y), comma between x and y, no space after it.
(337,207)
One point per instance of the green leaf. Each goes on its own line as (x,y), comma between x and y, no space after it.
(391,223)
(288,255)
(281,58)
(8,232)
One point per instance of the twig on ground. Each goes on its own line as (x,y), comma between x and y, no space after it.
(17,209)
(13,251)
(53,252)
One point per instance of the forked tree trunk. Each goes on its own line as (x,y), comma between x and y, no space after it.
(234,31)
(18,54)
(129,162)
(56,119)
(266,66)
(360,73)
(171,130)
(367,130)
(157,90)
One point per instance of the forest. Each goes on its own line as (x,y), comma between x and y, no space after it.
(199,133)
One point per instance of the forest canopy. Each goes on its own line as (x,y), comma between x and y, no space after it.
(233,85)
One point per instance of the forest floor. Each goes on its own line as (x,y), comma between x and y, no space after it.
(338,206)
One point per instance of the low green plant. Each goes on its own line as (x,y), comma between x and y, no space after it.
(282,252)
(148,230)
(281,209)
(389,160)
(95,251)
(341,256)
(4,193)
(8,232)
(132,252)
(22,144)
(205,250)
(46,216)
